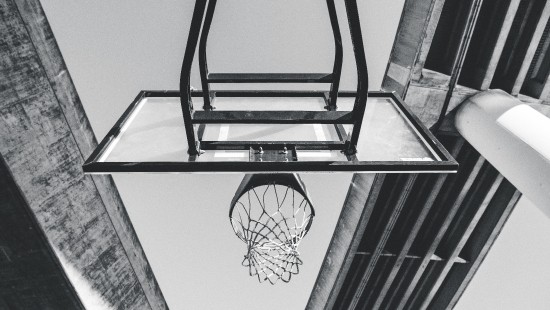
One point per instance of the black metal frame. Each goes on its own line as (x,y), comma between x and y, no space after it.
(445,165)
(198,34)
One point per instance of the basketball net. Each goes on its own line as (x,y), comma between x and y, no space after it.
(272,219)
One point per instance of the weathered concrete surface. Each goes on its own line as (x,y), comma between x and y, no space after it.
(412,42)
(31,277)
(425,90)
(44,138)
(426,96)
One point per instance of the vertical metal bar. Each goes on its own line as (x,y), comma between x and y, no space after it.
(203,64)
(185,77)
(338,55)
(473,13)
(354,217)
(362,73)
(340,130)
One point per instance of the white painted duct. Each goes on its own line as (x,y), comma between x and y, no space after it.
(513,137)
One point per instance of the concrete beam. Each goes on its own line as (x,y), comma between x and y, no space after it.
(44,138)
(31,276)
(412,41)
(539,30)
(362,196)
(499,45)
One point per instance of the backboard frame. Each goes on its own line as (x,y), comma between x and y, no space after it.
(446,164)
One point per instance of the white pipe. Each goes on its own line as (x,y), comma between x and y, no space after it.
(513,137)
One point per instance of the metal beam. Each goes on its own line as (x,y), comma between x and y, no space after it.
(404,252)
(338,55)
(270,78)
(273,117)
(277,145)
(465,39)
(465,226)
(362,71)
(499,45)
(208,96)
(440,232)
(185,76)
(479,244)
(383,239)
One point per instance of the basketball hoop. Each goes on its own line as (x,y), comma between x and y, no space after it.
(272,135)
(271,213)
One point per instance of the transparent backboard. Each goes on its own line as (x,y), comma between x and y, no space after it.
(150,137)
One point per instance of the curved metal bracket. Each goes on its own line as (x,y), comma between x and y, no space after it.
(362,72)
(338,55)
(185,77)
(203,64)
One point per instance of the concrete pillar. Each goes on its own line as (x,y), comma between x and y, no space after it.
(44,138)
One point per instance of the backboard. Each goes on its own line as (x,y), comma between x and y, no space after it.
(150,136)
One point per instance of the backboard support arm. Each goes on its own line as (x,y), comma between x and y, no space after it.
(199,20)
(362,72)
(185,77)
(208,96)
(338,55)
